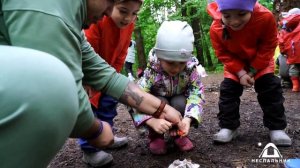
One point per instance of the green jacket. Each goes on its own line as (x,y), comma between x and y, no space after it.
(55,27)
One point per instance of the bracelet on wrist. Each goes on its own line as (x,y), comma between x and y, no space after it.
(96,134)
(242,75)
(160,109)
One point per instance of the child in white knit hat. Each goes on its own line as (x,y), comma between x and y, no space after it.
(172,76)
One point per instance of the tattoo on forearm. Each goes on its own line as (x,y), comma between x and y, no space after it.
(128,93)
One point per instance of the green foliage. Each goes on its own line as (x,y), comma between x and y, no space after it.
(148,23)
(218,68)
(267,3)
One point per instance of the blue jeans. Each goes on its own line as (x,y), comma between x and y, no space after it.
(107,111)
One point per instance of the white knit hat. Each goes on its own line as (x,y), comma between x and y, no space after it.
(174,41)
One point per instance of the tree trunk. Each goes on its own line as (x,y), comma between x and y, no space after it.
(206,49)
(197,33)
(183,8)
(140,48)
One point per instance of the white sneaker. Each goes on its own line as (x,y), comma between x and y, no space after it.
(225,135)
(280,138)
(97,159)
(118,142)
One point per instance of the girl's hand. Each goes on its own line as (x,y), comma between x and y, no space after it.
(246,80)
(159,125)
(183,130)
(187,122)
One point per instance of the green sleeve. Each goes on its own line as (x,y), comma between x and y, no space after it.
(49,33)
(46,33)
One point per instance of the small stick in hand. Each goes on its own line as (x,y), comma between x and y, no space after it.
(180,133)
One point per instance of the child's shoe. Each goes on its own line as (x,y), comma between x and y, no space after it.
(157,146)
(225,135)
(118,142)
(184,144)
(97,159)
(280,138)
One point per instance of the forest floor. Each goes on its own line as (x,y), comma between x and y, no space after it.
(240,153)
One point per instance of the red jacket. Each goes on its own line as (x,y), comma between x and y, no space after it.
(289,41)
(253,46)
(111,43)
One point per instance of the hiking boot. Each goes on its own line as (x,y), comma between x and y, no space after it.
(280,138)
(157,146)
(184,144)
(97,159)
(225,135)
(118,142)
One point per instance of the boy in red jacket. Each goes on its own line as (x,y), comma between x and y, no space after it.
(289,44)
(244,37)
(110,38)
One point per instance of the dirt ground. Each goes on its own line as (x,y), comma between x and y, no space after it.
(237,154)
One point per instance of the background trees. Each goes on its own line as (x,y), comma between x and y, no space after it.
(154,12)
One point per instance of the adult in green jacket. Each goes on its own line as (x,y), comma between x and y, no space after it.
(55,27)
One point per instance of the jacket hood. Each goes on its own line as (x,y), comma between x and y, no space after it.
(212,10)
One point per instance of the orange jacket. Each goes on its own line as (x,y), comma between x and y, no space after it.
(253,46)
(289,38)
(111,43)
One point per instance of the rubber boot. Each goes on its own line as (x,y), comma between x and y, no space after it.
(157,143)
(295,81)
(184,144)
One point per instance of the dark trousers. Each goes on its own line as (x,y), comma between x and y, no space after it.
(107,110)
(128,68)
(269,96)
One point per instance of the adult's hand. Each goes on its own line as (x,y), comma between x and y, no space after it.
(172,115)
(148,104)
(104,139)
